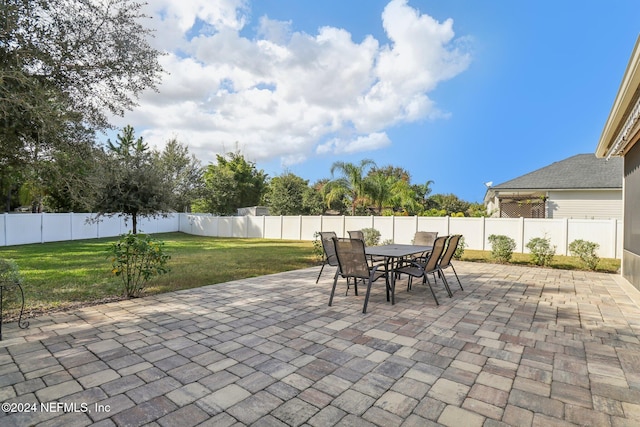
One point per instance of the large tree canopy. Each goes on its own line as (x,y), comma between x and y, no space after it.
(65,66)
(96,54)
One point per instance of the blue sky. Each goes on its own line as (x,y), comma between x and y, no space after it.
(460,92)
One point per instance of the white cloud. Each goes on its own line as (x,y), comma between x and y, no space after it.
(286,94)
(371,142)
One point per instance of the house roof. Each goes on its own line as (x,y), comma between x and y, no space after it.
(620,131)
(582,171)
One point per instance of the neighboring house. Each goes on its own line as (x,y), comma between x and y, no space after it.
(582,186)
(620,139)
(253,211)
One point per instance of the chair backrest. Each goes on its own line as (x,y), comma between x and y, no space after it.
(452,245)
(425,238)
(357,234)
(352,259)
(326,237)
(432,263)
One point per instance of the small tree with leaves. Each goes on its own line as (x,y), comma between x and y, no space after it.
(131,182)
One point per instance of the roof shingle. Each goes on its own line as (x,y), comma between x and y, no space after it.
(582,171)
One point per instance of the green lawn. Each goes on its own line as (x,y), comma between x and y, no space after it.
(64,274)
(68,274)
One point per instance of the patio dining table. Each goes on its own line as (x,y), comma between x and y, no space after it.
(393,254)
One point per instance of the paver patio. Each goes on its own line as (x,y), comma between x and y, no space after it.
(519,346)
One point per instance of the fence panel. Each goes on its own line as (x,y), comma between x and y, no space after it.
(434,223)
(201,225)
(112,226)
(594,230)
(353,223)
(291,227)
(17,229)
(511,227)
(225,226)
(471,228)
(56,227)
(404,229)
(310,225)
(3,229)
(255,226)
(335,224)
(23,229)
(273,227)
(82,226)
(384,224)
(553,229)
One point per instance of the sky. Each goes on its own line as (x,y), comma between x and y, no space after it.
(458,92)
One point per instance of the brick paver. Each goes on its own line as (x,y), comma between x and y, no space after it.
(519,346)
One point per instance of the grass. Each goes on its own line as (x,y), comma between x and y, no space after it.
(70,274)
(605,265)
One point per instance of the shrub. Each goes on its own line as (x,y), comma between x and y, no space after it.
(542,252)
(136,258)
(460,249)
(371,236)
(586,251)
(501,247)
(9,275)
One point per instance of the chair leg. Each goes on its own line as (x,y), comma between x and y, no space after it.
(333,289)
(457,278)
(446,284)
(366,297)
(321,268)
(432,293)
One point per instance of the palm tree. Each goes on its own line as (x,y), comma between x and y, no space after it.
(352,184)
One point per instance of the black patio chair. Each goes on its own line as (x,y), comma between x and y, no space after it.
(356,234)
(329,257)
(352,263)
(430,266)
(445,261)
(424,238)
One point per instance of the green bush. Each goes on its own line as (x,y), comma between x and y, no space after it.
(460,249)
(136,258)
(502,247)
(586,251)
(9,275)
(371,236)
(541,251)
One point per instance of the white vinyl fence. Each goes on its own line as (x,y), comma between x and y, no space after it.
(17,229)
(476,231)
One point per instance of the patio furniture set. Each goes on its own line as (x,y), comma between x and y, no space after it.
(427,255)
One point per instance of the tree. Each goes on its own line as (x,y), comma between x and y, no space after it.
(352,183)
(230,184)
(183,173)
(389,188)
(450,203)
(95,53)
(64,66)
(285,195)
(422,192)
(131,182)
